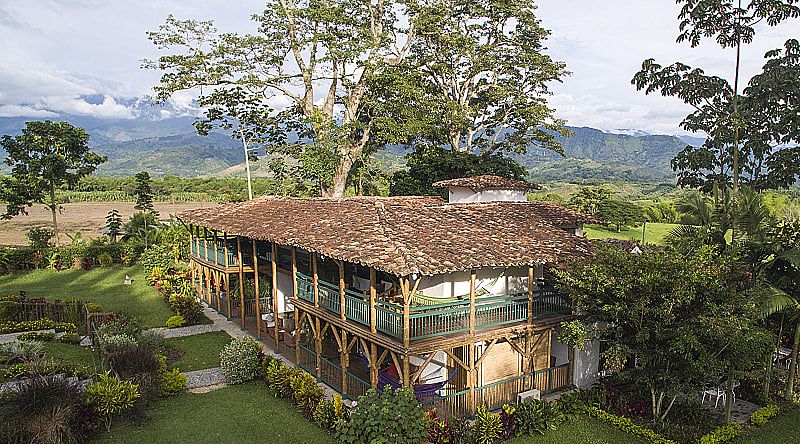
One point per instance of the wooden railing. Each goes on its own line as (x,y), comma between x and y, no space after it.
(305,287)
(210,252)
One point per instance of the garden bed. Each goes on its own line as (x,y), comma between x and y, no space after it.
(580,430)
(242,413)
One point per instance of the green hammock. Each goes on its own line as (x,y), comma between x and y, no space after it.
(480,291)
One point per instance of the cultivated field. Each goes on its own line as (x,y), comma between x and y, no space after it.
(86,217)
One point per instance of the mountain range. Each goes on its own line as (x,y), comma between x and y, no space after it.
(165,146)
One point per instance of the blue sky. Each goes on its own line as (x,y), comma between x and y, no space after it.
(56,52)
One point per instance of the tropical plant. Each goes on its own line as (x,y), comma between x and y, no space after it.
(387,416)
(172,382)
(111,396)
(113,224)
(487,428)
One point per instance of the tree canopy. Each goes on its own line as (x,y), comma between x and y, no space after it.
(43,157)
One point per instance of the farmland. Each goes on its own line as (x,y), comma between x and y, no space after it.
(86,217)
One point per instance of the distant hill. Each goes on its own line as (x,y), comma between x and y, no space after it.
(170,146)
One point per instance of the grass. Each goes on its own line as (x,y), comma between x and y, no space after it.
(104,286)
(783,429)
(73,354)
(235,414)
(580,430)
(202,351)
(653,235)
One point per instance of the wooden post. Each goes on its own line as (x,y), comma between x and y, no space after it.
(226,252)
(471,377)
(344,361)
(294,273)
(216,259)
(228,293)
(373,369)
(530,295)
(219,289)
(406,371)
(296,335)
(205,243)
(318,346)
(342,300)
(406,312)
(314,272)
(258,293)
(241,280)
(275,293)
(372,294)
(472,302)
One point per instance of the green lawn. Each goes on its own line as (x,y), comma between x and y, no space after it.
(654,235)
(237,414)
(104,286)
(581,430)
(73,354)
(783,429)
(202,351)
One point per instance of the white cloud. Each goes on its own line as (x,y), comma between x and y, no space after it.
(24,111)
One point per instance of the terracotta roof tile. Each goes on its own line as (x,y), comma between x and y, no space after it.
(478,183)
(403,235)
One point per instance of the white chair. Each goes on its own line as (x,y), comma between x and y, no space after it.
(714,392)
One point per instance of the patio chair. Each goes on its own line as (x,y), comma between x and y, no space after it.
(714,392)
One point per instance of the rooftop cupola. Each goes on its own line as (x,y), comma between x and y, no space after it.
(486,189)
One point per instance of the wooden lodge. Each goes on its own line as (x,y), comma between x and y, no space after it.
(450,298)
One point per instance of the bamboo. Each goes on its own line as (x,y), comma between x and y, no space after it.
(241,280)
(372,294)
(315,277)
(472,276)
(530,295)
(258,293)
(275,293)
(342,300)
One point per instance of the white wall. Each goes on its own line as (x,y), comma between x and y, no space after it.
(285,292)
(436,371)
(461,195)
(586,365)
(511,280)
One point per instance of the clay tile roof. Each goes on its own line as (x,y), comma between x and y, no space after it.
(562,216)
(478,183)
(401,235)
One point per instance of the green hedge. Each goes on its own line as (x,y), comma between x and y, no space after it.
(627,425)
(764,414)
(41,324)
(722,434)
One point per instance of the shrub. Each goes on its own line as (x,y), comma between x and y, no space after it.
(240,360)
(160,256)
(306,393)
(40,324)
(21,351)
(764,414)
(9,310)
(36,336)
(627,425)
(119,326)
(15,371)
(41,238)
(487,427)
(93,307)
(187,307)
(70,338)
(153,341)
(328,413)
(388,416)
(537,416)
(46,410)
(112,343)
(176,321)
(50,366)
(279,378)
(508,416)
(105,260)
(111,396)
(172,383)
(722,434)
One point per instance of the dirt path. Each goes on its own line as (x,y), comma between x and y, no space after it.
(86,217)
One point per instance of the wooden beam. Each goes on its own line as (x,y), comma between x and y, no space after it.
(315,277)
(472,277)
(516,347)
(486,352)
(418,373)
(274,264)
(397,366)
(456,360)
(241,280)
(530,295)
(338,338)
(258,293)
(342,300)
(373,292)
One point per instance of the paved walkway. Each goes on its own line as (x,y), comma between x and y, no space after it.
(186,331)
(740,412)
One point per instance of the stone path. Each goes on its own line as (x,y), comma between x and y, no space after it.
(740,412)
(205,378)
(186,331)
(12,337)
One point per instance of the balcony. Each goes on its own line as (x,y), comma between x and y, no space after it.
(213,252)
(435,319)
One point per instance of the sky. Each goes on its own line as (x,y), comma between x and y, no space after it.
(83,56)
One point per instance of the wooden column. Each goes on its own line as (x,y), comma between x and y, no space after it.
(225,247)
(205,243)
(344,362)
(471,377)
(342,300)
(215,247)
(314,277)
(406,371)
(296,335)
(530,295)
(228,293)
(373,369)
(372,294)
(241,280)
(472,302)
(219,289)
(294,275)
(258,293)
(318,346)
(406,312)
(275,293)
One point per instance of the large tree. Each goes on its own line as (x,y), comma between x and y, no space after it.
(352,75)
(750,134)
(43,157)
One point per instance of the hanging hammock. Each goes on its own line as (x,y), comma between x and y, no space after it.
(421,391)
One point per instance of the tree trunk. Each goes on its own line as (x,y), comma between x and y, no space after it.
(790,381)
(339,180)
(729,398)
(53,209)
